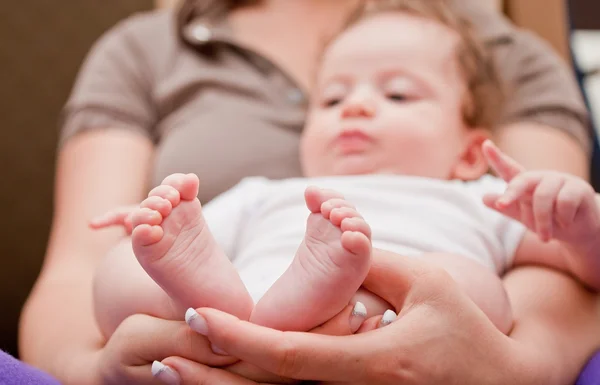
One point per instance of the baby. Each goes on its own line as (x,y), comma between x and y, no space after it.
(399,123)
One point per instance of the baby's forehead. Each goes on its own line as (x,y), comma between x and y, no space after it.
(392,39)
(394,33)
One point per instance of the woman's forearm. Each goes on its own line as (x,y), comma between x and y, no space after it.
(58,332)
(536,146)
(556,317)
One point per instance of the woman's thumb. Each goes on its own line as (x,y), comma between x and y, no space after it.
(392,276)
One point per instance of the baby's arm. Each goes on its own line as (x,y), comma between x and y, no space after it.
(561,211)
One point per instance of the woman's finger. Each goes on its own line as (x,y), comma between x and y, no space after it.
(309,356)
(392,276)
(142,339)
(254,373)
(302,356)
(503,165)
(347,322)
(544,199)
(370,324)
(180,371)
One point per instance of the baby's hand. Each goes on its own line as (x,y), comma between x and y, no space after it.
(118,217)
(552,204)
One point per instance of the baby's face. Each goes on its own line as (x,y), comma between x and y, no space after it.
(388,99)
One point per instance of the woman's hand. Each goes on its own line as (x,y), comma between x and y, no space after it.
(140,339)
(128,356)
(439,337)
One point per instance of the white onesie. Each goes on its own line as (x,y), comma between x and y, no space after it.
(260,223)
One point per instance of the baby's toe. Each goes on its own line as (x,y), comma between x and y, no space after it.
(146,235)
(328,206)
(157,203)
(315,197)
(356,243)
(167,192)
(338,214)
(356,224)
(186,184)
(145,216)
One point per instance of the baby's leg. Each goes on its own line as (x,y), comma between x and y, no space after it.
(122,288)
(483,286)
(329,266)
(173,243)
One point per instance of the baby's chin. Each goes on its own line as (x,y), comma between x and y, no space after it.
(347,166)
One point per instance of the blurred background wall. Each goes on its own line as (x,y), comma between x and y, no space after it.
(42,44)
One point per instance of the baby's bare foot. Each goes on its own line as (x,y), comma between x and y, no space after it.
(329,267)
(173,244)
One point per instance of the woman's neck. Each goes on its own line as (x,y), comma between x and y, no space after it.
(290,32)
(320,12)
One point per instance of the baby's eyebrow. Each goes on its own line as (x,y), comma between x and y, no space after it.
(336,84)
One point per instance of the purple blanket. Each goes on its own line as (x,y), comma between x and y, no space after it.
(13,372)
(591,373)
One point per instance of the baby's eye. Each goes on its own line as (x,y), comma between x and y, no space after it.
(331,102)
(397,97)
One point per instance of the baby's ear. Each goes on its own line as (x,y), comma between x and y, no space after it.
(472,163)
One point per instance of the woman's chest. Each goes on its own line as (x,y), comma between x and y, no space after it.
(225,140)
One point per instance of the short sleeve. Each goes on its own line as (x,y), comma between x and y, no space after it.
(540,86)
(508,233)
(113,88)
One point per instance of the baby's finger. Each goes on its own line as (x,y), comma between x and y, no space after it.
(503,165)
(490,200)
(512,211)
(527,218)
(544,198)
(112,218)
(518,187)
(569,200)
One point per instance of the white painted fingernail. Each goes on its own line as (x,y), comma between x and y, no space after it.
(218,350)
(359,310)
(358,316)
(388,317)
(196,322)
(165,373)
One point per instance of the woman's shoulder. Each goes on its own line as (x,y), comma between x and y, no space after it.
(146,31)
